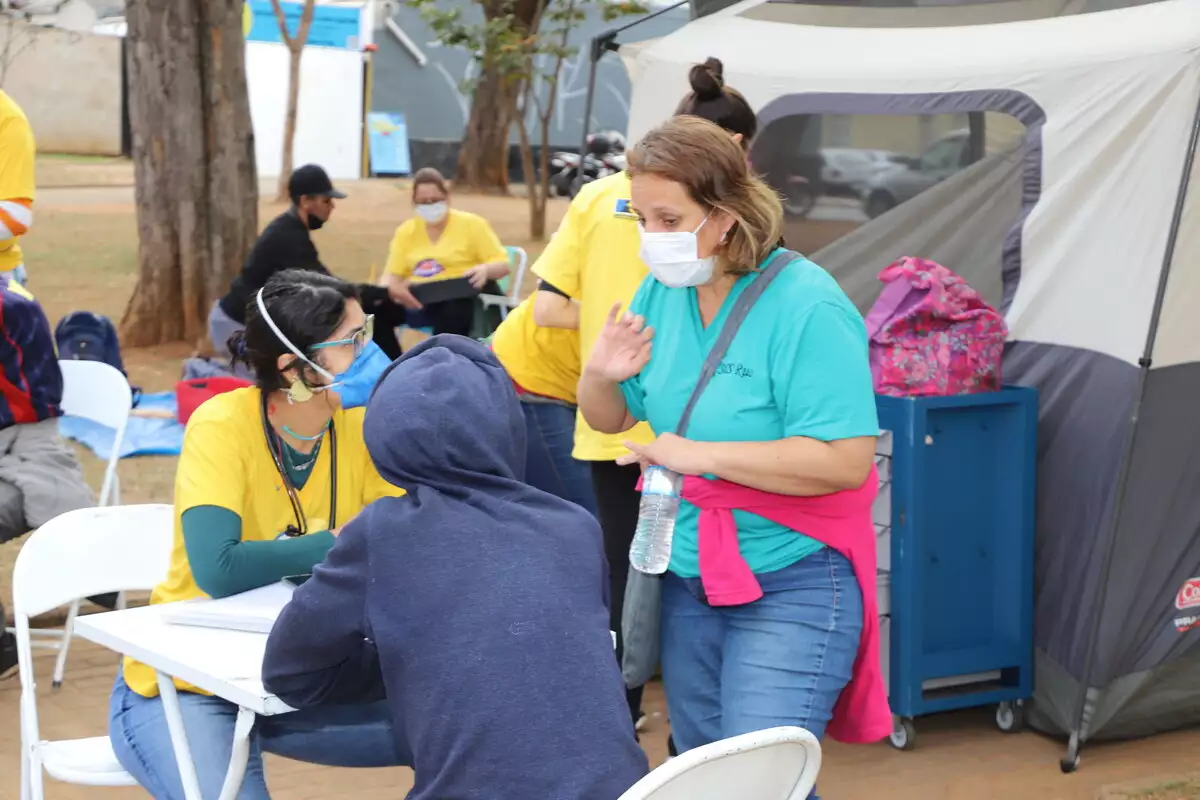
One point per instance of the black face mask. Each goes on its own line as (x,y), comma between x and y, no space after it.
(313,222)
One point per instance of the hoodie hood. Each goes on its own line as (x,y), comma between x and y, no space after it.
(445,415)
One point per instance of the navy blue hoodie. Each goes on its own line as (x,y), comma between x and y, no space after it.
(479,601)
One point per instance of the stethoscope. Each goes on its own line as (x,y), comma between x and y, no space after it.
(275,446)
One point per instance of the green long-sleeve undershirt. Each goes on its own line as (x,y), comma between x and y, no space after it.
(222,564)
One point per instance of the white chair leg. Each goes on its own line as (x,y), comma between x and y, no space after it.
(36,790)
(120,601)
(25,787)
(60,663)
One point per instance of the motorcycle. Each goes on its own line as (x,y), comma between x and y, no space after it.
(596,167)
(563,166)
(605,156)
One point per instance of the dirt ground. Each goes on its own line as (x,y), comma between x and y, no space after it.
(82,255)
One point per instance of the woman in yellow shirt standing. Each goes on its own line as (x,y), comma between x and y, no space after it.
(266,478)
(594,260)
(442,244)
(543,364)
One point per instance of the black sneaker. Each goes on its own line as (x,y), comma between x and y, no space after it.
(8,655)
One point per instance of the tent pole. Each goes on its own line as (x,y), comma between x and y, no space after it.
(1070,762)
(601,44)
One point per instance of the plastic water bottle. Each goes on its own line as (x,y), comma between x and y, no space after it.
(651,548)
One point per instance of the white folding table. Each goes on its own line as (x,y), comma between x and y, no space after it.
(226,663)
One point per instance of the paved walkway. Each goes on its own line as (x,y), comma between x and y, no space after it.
(960,756)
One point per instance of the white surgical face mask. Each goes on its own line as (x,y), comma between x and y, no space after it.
(432,213)
(673,257)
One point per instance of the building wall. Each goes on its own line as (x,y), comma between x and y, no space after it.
(69,85)
(435,106)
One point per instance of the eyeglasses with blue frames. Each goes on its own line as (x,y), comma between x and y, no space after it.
(359,339)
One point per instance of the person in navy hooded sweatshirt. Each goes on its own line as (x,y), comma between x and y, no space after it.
(476,603)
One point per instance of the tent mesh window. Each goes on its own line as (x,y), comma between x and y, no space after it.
(862,190)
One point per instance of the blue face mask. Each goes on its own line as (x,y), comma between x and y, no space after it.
(355,384)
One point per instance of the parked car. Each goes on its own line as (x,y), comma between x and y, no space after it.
(890,187)
(846,170)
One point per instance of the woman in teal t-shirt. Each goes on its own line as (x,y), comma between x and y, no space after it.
(789,411)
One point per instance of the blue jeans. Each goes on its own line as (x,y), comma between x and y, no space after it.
(336,736)
(781,660)
(549,465)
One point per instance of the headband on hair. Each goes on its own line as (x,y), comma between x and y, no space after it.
(262,310)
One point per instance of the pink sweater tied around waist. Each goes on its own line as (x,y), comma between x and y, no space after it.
(841,521)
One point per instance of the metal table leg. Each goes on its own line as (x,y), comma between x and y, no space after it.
(179,742)
(240,755)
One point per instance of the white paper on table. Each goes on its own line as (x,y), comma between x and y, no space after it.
(254,611)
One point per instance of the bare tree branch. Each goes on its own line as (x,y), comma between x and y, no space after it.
(295,45)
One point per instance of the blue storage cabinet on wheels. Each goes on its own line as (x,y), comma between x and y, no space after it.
(962,472)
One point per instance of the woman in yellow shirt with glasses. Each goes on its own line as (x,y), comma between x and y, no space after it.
(266,478)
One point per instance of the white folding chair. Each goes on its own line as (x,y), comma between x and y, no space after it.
(775,764)
(77,554)
(96,391)
(511,285)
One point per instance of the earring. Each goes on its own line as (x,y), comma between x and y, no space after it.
(299,392)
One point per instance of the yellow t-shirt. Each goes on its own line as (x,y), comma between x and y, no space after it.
(466,242)
(225,463)
(541,360)
(594,259)
(17,154)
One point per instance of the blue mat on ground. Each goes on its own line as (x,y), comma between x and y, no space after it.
(144,436)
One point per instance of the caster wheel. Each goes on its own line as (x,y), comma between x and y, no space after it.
(56,684)
(904,735)
(1010,717)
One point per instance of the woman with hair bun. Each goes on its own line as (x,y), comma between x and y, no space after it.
(721,105)
(591,263)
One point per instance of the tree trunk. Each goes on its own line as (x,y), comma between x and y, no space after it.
(289,120)
(483,154)
(196,187)
(537,223)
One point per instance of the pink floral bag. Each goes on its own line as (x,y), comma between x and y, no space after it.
(932,334)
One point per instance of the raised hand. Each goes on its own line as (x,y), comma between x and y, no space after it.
(623,348)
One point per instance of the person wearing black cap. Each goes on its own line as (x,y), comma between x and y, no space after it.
(285,243)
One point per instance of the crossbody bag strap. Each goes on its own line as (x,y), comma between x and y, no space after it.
(737,315)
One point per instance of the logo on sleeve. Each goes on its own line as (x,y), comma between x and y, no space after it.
(624,209)
(428,268)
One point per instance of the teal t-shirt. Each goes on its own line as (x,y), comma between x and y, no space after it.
(797,367)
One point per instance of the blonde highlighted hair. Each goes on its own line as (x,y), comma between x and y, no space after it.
(711,166)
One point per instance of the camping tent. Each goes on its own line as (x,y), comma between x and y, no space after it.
(1083,228)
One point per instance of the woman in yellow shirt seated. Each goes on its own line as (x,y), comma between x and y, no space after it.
(543,364)
(266,478)
(442,244)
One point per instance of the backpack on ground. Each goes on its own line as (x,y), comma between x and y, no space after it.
(85,336)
